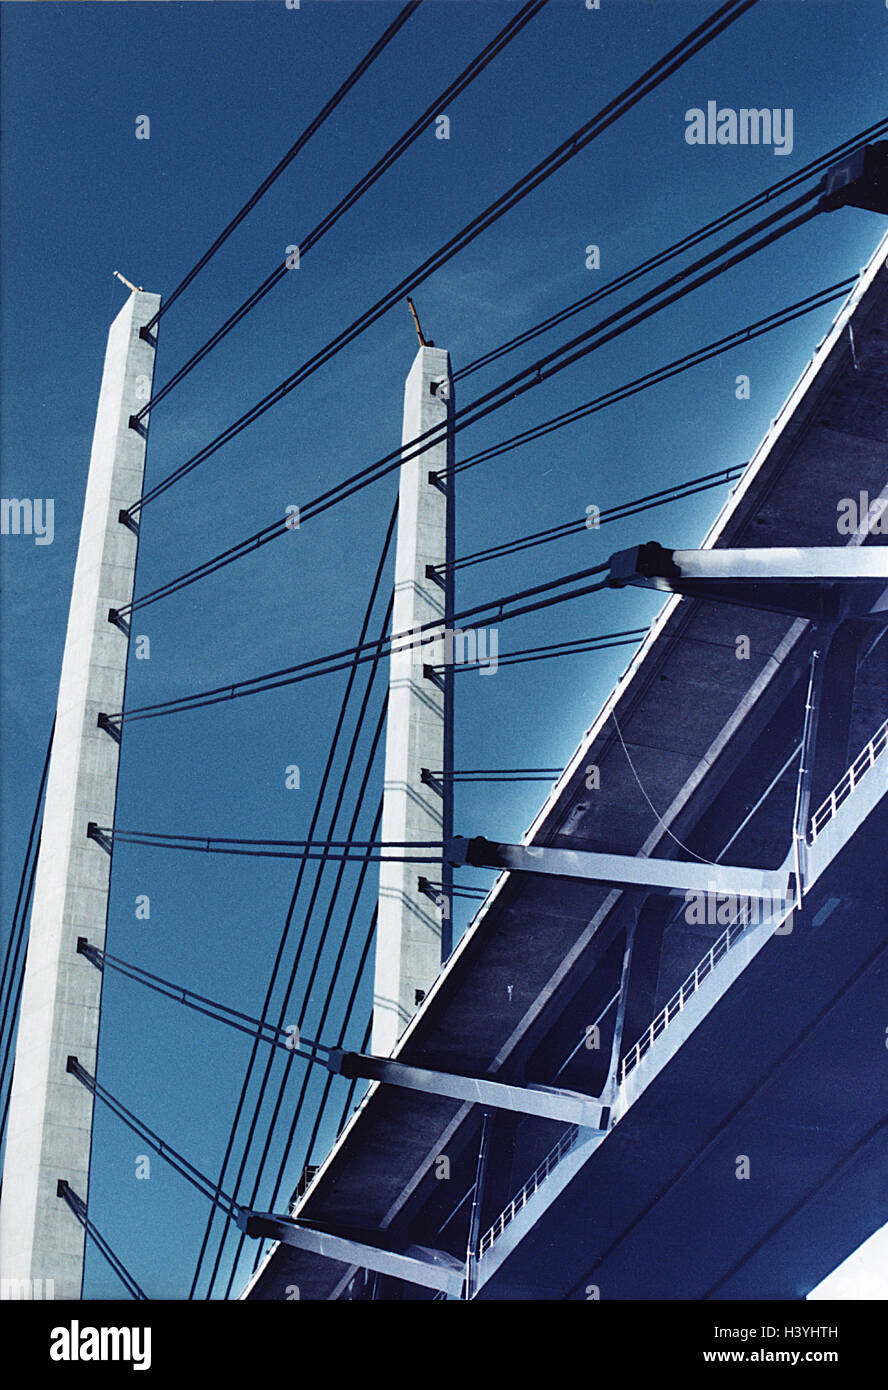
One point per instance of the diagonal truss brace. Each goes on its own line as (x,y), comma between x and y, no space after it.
(431,1269)
(671,876)
(544,1102)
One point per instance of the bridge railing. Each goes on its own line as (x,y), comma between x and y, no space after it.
(537,1177)
(746,917)
(843,789)
(840,793)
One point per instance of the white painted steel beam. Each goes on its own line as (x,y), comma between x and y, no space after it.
(663,875)
(545,1102)
(816,562)
(431,1269)
(653,566)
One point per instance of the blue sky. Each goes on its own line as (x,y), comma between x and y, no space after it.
(228,87)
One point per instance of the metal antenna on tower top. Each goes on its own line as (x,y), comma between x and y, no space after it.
(136,289)
(422,341)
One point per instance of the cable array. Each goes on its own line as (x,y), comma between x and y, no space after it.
(577,349)
(450,93)
(808,305)
(494,610)
(326,111)
(13,972)
(810,170)
(284,941)
(677,492)
(698,39)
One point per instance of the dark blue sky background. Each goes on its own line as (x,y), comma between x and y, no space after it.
(228,87)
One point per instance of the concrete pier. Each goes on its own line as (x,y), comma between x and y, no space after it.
(50,1117)
(413,931)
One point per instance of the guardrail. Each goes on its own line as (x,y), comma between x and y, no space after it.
(746,917)
(538,1176)
(824,813)
(843,789)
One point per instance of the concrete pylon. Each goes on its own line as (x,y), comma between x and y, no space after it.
(50,1114)
(413,931)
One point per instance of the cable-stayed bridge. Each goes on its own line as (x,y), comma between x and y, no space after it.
(545,1117)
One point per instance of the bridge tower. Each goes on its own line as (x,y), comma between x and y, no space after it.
(50,1117)
(413,934)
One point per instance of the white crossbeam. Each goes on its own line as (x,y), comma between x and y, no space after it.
(431,1269)
(545,1102)
(817,562)
(667,875)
